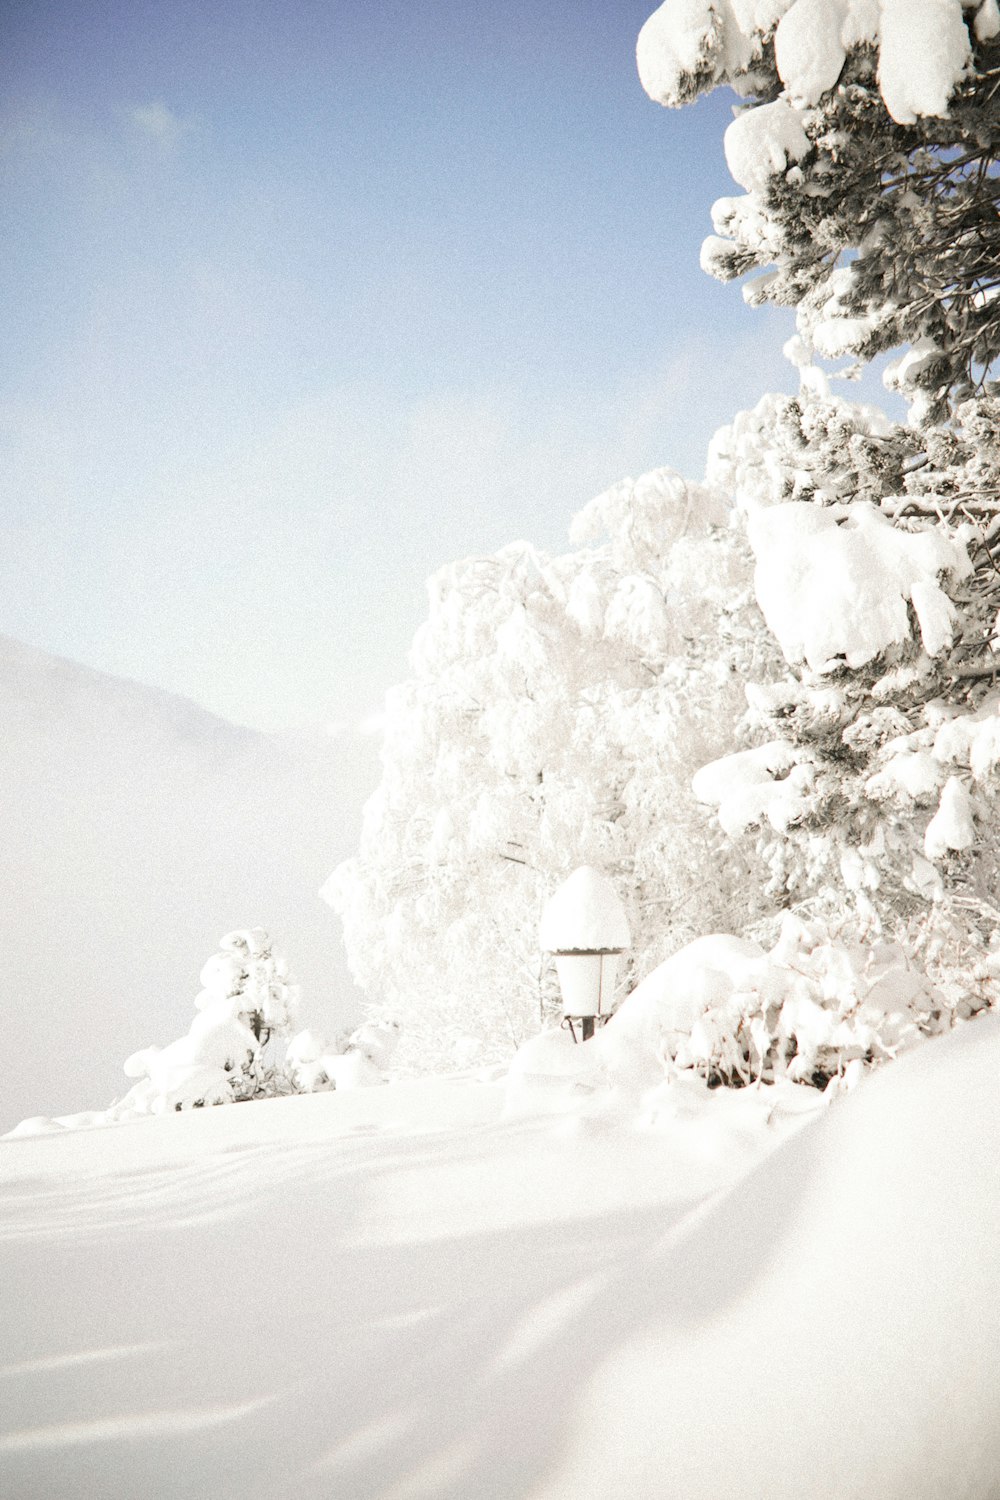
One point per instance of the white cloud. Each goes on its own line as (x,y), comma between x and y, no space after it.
(159,122)
(274,569)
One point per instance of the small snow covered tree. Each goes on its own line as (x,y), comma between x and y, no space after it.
(557,711)
(869,153)
(247,1003)
(248,981)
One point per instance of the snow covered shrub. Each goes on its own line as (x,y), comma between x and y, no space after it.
(309,1062)
(557,711)
(815,1009)
(245,1007)
(314,1065)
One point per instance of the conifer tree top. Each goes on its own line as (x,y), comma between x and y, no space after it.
(868,148)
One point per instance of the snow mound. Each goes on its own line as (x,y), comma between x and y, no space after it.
(745,1304)
(553,1073)
(851,1273)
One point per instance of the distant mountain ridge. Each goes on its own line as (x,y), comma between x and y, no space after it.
(136,828)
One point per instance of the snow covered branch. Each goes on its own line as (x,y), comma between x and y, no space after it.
(869,155)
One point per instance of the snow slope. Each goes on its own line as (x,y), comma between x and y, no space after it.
(135,829)
(404,1293)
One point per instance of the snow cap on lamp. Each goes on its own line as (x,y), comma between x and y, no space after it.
(585,915)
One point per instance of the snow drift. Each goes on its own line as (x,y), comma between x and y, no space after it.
(831,1327)
(526,1308)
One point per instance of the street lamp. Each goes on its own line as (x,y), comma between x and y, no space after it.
(585,928)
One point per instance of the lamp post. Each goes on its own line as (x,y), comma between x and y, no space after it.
(585,928)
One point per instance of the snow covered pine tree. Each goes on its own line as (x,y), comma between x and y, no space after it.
(867,148)
(868,155)
(247,1000)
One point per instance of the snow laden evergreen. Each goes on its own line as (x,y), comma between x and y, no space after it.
(245,1009)
(557,711)
(241,1045)
(868,152)
(867,149)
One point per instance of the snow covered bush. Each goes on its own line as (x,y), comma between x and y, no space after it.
(314,1065)
(238,1045)
(309,1062)
(557,711)
(245,1008)
(815,1009)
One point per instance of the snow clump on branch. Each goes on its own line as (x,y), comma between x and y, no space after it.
(923,48)
(868,150)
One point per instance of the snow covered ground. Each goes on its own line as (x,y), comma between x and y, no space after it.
(479,1291)
(136,829)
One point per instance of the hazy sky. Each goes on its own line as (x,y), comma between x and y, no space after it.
(302,301)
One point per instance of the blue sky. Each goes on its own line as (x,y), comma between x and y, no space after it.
(302,302)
